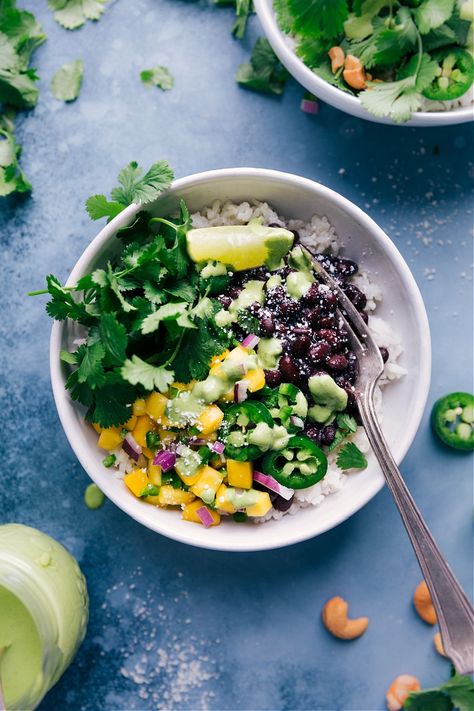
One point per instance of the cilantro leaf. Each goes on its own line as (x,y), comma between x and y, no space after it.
(113,337)
(91,369)
(397,99)
(431,14)
(98,206)
(62,304)
(425,70)
(320,18)
(457,692)
(66,83)
(157,76)
(350,457)
(263,73)
(138,372)
(72,14)
(197,348)
(395,42)
(111,403)
(164,313)
(12,178)
(143,189)
(346,425)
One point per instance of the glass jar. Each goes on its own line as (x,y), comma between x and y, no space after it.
(43,613)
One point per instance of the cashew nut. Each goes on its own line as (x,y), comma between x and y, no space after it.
(354,73)
(399,691)
(438,643)
(336,55)
(423,604)
(336,621)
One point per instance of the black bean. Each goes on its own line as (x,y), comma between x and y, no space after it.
(289,369)
(300,345)
(288,308)
(267,326)
(337,362)
(327,297)
(329,321)
(356,296)
(328,434)
(224,300)
(255,309)
(272,378)
(281,504)
(312,295)
(314,317)
(329,336)
(384,353)
(346,267)
(234,291)
(314,433)
(319,352)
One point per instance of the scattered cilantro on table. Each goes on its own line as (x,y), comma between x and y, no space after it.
(456,693)
(20,35)
(263,73)
(72,14)
(243,8)
(157,76)
(66,83)
(147,314)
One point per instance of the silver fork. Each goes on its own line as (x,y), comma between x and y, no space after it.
(453,609)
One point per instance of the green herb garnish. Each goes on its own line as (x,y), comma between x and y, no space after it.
(350,457)
(263,73)
(66,83)
(152,439)
(157,76)
(456,693)
(72,14)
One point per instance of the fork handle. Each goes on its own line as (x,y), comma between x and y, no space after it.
(453,609)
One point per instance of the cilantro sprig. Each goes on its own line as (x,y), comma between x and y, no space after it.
(147,316)
(350,457)
(456,693)
(72,14)
(263,73)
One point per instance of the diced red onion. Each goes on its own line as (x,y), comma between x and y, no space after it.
(205,516)
(297,421)
(218,447)
(250,341)
(309,106)
(198,441)
(270,483)
(131,447)
(240,391)
(165,459)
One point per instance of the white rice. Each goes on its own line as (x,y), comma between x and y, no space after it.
(320,234)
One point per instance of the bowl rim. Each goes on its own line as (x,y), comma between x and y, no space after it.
(334,96)
(65,406)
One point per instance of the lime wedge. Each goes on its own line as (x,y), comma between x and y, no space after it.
(240,246)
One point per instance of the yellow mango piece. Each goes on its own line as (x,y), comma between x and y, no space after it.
(148,453)
(98,428)
(136,481)
(166,436)
(130,424)
(262,506)
(210,419)
(221,500)
(190,513)
(216,362)
(155,405)
(239,474)
(188,479)
(208,482)
(238,353)
(110,438)
(144,425)
(139,407)
(154,473)
(174,497)
(228,396)
(255,379)
(154,500)
(182,386)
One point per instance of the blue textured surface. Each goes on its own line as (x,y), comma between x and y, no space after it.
(176,627)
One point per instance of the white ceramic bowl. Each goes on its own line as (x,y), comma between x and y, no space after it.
(331,94)
(404,401)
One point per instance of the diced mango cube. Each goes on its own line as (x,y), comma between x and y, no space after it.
(98,428)
(210,419)
(110,438)
(262,506)
(238,353)
(216,362)
(154,473)
(139,407)
(169,496)
(166,436)
(239,474)
(190,513)
(156,406)
(222,501)
(130,424)
(148,453)
(154,500)
(255,379)
(188,479)
(207,484)
(182,386)
(136,481)
(228,396)
(144,425)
